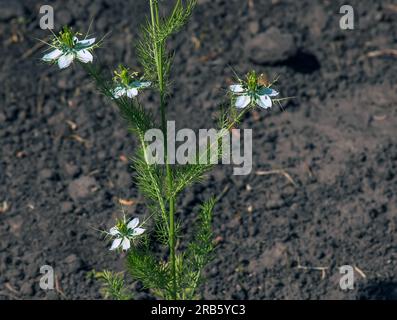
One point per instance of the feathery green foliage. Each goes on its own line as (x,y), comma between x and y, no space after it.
(170,273)
(113,286)
(199,251)
(153,274)
(151,48)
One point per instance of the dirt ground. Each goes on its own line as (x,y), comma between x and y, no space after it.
(63,148)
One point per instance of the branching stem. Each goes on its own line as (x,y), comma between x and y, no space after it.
(159,54)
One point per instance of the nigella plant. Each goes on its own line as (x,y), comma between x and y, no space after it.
(66,47)
(127,84)
(124,233)
(253,92)
(177,273)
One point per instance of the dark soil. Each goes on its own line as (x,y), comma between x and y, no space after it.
(63,149)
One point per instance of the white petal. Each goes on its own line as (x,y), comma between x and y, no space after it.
(53,55)
(236,88)
(84,56)
(114,231)
(118,92)
(65,60)
(243,101)
(264,101)
(133,223)
(138,231)
(265,91)
(138,84)
(116,244)
(144,84)
(126,244)
(274,93)
(133,92)
(86,42)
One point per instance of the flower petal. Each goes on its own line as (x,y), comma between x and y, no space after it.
(133,223)
(118,92)
(65,60)
(273,93)
(86,42)
(114,231)
(236,88)
(138,231)
(242,101)
(126,244)
(264,101)
(116,244)
(268,91)
(145,84)
(53,55)
(84,56)
(133,92)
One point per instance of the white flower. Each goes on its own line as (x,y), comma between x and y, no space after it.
(65,55)
(261,96)
(132,90)
(124,233)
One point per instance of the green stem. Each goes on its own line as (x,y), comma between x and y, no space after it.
(158,48)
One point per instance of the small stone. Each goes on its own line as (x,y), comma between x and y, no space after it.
(72,170)
(271,258)
(66,207)
(46,174)
(275,202)
(253,27)
(82,187)
(74,263)
(271,47)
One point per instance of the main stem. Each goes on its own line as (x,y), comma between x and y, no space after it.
(154,12)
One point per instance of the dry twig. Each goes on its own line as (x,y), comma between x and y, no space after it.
(382,53)
(58,288)
(360,272)
(126,202)
(277,171)
(322,269)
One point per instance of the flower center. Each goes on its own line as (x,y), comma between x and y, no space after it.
(252,82)
(122,228)
(66,37)
(124,76)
